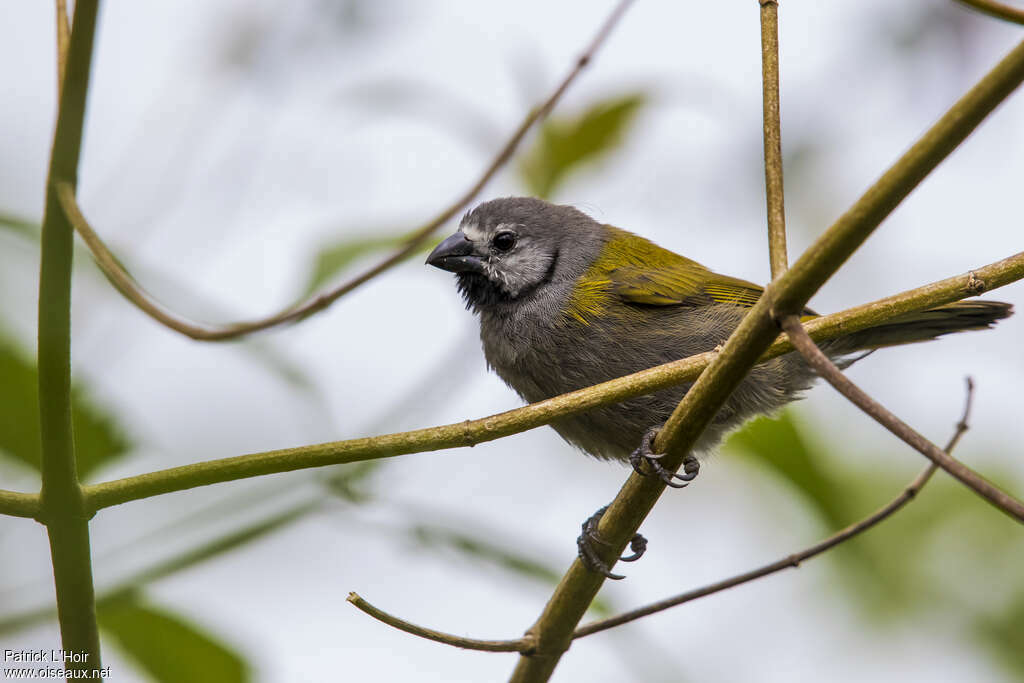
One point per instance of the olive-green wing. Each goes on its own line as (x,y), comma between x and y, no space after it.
(636,271)
(681,284)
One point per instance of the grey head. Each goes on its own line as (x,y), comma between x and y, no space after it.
(516,248)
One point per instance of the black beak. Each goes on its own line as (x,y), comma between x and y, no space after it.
(456,254)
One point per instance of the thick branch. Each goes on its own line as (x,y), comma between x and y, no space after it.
(472,432)
(773,138)
(788,294)
(128,288)
(61,502)
(880,414)
(998,10)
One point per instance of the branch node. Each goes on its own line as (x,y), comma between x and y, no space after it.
(975,285)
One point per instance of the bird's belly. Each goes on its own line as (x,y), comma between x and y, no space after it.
(573,357)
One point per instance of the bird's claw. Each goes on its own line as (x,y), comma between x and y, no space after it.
(589,556)
(644,455)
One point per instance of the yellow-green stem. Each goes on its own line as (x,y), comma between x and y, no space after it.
(62,507)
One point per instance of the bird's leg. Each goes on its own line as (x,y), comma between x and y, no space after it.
(589,538)
(644,454)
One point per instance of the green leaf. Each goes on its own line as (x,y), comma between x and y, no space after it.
(217,547)
(566,144)
(350,482)
(1002,634)
(98,440)
(167,647)
(131,586)
(333,258)
(776,444)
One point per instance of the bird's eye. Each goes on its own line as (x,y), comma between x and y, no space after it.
(504,241)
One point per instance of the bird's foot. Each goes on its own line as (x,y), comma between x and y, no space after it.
(645,455)
(589,556)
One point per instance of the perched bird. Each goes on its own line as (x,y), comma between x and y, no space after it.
(566,302)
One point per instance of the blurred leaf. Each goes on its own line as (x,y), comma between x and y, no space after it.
(437,537)
(1003,635)
(565,144)
(218,546)
(20,226)
(167,647)
(348,482)
(190,558)
(98,440)
(333,258)
(776,444)
(841,496)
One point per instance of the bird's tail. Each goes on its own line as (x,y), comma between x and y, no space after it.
(925,325)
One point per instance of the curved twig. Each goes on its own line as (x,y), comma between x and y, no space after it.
(128,288)
(880,414)
(522,645)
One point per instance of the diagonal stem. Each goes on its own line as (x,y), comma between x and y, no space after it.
(995,9)
(880,414)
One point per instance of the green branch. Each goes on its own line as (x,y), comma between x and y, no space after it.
(472,432)
(788,294)
(15,504)
(61,505)
(772,137)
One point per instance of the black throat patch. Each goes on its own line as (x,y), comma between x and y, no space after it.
(480,293)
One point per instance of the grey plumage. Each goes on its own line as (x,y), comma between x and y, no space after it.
(541,338)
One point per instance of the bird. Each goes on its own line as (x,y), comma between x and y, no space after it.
(566,302)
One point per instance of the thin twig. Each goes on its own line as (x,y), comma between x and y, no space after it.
(795,559)
(996,9)
(63,39)
(773,138)
(523,644)
(126,285)
(880,414)
(468,433)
